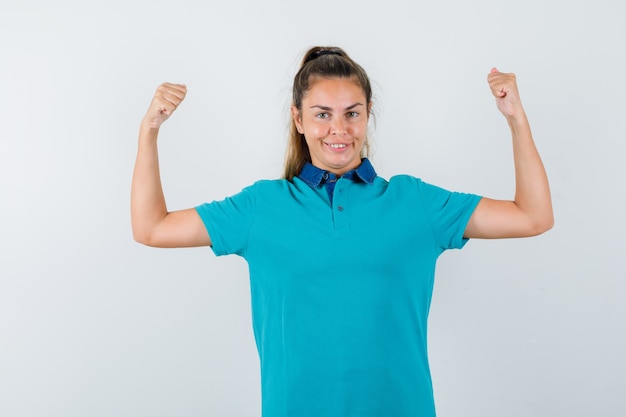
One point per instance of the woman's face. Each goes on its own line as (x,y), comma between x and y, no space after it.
(333,121)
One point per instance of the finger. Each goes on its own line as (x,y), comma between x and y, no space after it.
(498,89)
(173,85)
(168,89)
(494,70)
(168,97)
(172,97)
(178,89)
(501,84)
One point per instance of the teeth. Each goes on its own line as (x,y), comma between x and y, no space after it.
(337,145)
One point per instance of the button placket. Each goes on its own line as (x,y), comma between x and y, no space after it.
(339,204)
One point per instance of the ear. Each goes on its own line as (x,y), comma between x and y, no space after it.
(369,108)
(297,119)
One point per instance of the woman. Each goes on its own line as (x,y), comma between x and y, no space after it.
(341,261)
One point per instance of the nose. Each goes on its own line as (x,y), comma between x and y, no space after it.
(338,128)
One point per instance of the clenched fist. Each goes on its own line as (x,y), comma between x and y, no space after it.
(504,88)
(166,99)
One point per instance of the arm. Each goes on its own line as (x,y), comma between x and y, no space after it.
(530,213)
(152,224)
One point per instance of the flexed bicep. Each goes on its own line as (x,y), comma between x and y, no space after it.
(179,229)
(498,219)
(152,223)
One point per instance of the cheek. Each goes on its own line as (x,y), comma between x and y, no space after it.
(314,130)
(357,129)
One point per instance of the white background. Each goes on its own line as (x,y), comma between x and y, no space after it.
(94,324)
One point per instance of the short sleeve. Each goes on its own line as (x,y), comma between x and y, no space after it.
(448,212)
(228,221)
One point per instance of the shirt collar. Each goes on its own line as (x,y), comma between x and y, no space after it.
(315,176)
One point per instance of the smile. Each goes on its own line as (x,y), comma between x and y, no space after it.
(337,145)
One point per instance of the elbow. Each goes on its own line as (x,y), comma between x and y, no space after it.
(143,237)
(549,224)
(148,241)
(543,225)
(144,232)
(152,237)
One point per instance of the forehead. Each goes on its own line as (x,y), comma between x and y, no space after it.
(335,90)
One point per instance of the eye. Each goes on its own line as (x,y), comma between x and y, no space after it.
(322,115)
(352,114)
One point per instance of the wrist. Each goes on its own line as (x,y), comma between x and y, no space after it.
(148,132)
(516,118)
(149,124)
(518,124)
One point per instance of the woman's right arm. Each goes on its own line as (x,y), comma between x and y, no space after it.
(152,224)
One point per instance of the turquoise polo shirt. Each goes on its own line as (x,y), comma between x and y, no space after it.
(341,281)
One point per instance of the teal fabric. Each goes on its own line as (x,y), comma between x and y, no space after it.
(341,291)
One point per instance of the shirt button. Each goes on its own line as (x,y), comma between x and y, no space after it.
(340,208)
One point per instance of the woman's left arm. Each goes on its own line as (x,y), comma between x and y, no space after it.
(530,213)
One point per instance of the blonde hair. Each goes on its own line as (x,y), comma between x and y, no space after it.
(320,62)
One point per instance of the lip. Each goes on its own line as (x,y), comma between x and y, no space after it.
(337,150)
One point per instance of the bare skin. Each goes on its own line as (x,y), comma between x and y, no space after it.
(152,224)
(530,213)
(334,121)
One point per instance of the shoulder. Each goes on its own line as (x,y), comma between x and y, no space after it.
(404,182)
(256,190)
(269,186)
(404,188)
(425,191)
(410,182)
(401,179)
(265,185)
(268,190)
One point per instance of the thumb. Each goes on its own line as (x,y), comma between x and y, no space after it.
(494,70)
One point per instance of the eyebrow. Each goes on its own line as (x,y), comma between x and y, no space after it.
(326,108)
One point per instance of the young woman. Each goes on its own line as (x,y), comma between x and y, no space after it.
(341,261)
